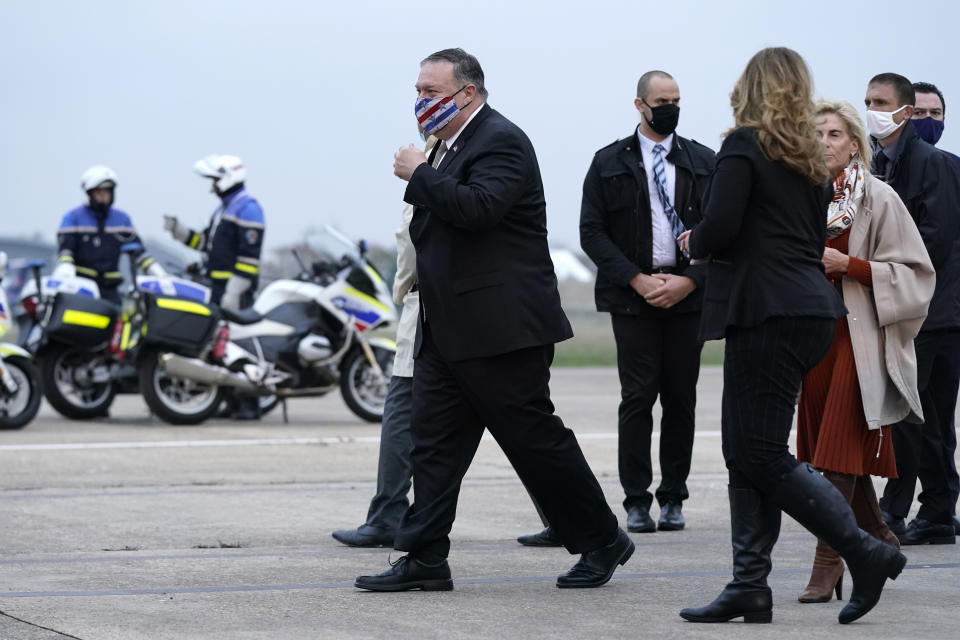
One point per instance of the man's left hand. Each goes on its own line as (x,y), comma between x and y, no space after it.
(406,160)
(673,290)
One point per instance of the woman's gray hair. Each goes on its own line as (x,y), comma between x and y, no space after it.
(855,128)
(466,68)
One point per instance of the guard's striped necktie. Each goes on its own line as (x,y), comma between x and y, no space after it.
(660,178)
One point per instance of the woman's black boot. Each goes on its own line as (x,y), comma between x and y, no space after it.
(815,503)
(754,528)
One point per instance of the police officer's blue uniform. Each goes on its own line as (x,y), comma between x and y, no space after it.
(232,242)
(92,241)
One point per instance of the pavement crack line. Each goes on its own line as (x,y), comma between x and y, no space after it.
(38,626)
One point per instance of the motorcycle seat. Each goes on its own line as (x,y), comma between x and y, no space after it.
(243,316)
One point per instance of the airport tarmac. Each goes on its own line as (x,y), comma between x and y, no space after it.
(127,528)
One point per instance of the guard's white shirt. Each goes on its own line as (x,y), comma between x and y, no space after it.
(664,242)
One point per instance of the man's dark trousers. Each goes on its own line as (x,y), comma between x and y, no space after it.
(919,447)
(658,354)
(394,470)
(944,383)
(509,393)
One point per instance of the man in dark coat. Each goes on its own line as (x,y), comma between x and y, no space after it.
(489,317)
(640,193)
(928,183)
(929,115)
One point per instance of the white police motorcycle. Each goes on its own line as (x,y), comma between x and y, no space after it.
(90,349)
(308,336)
(19,382)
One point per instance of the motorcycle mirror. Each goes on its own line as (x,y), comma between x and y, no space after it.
(36,264)
(362,246)
(131,247)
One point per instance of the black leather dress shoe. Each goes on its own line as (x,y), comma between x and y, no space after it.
(364,536)
(546,538)
(896,525)
(671,517)
(409,573)
(921,531)
(639,520)
(750,603)
(596,567)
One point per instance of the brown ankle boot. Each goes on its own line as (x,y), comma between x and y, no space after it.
(827,574)
(867,510)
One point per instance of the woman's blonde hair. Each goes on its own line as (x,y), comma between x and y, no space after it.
(855,128)
(773,95)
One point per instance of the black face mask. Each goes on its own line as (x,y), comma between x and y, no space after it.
(665,118)
(98,207)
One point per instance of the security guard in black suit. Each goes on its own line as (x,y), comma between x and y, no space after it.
(636,192)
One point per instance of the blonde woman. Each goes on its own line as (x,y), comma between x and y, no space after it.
(763,230)
(877,260)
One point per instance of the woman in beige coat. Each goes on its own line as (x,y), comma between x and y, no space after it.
(868,380)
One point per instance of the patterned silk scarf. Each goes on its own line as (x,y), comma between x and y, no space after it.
(847,197)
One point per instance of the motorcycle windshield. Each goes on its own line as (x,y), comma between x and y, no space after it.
(332,245)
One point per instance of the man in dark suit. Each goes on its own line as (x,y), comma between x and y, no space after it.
(640,193)
(489,317)
(927,182)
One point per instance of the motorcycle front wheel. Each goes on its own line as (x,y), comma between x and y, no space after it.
(71,385)
(18,409)
(179,401)
(363,390)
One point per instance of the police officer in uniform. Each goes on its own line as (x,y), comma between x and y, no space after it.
(91,237)
(234,237)
(231,242)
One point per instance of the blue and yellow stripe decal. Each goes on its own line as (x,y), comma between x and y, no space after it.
(369,300)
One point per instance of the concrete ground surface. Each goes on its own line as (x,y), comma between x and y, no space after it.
(128,528)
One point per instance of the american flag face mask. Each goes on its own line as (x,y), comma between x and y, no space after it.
(435,113)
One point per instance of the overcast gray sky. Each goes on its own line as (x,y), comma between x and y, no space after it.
(316,97)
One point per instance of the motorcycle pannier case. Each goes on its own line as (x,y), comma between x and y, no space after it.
(182,326)
(81,321)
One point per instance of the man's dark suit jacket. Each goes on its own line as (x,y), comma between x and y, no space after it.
(486,280)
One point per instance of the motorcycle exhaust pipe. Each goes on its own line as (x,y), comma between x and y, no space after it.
(200,371)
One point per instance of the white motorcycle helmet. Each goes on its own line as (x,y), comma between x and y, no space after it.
(226,171)
(96,175)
